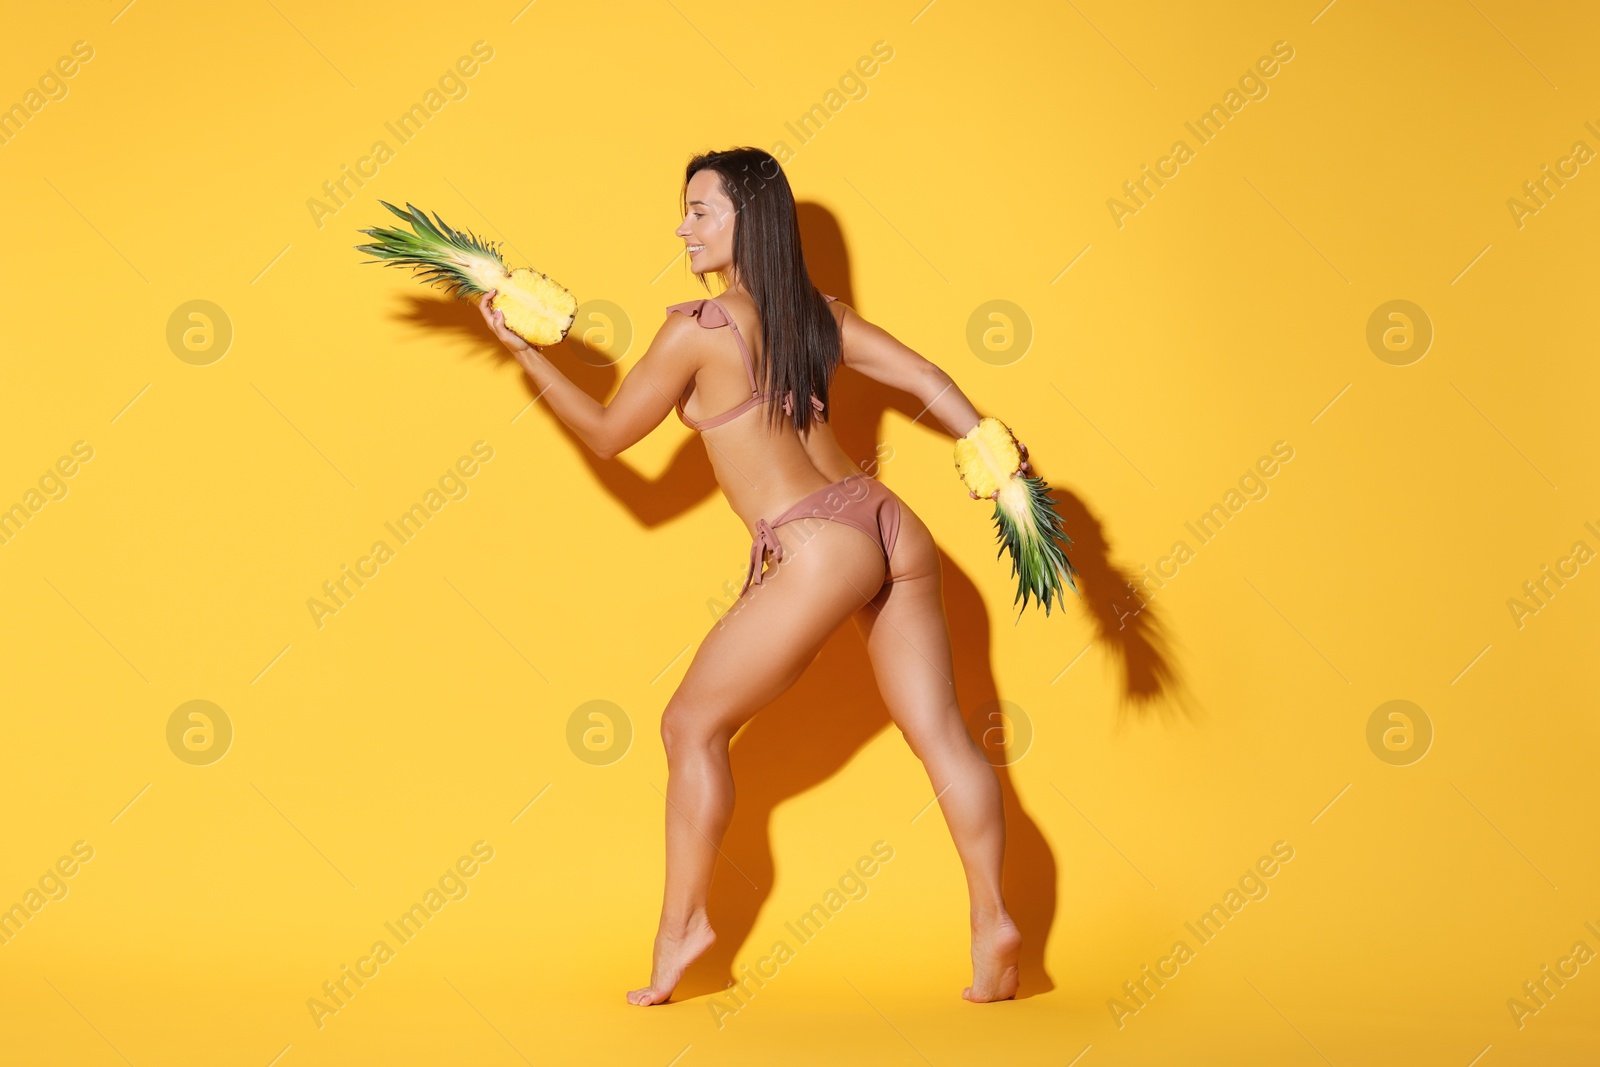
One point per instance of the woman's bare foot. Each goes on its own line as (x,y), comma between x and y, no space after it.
(995,945)
(673,954)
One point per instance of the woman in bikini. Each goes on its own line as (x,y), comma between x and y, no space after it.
(829,542)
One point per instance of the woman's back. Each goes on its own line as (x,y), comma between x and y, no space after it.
(761,468)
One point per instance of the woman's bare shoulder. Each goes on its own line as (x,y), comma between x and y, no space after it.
(840,310)
(741,308)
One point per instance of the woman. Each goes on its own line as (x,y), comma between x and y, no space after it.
(829,542)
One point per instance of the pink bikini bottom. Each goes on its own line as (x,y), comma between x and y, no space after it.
(856,500)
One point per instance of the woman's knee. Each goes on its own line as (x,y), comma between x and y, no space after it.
(687,727)
(939,737)
(677,729)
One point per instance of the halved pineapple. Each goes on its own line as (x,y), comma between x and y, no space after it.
(536,308)
(989,460)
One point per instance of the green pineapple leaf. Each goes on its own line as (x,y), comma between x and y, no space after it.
(1038,559)
(441,254)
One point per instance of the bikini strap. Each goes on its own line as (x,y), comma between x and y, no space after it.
(717,316)
(712,315)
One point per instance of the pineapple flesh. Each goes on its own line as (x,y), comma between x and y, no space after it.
(989,460)
(536,308)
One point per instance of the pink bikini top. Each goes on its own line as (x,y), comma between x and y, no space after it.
(711,315)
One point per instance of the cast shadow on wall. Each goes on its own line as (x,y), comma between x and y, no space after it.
(814,729)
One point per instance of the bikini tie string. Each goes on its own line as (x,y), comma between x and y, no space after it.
(788,403)
(766,541)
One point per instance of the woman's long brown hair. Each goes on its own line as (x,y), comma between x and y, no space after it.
(800,341)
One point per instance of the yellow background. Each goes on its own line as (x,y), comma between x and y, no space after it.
(1229,313)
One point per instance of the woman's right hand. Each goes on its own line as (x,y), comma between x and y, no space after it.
(497,323)
(1025,468)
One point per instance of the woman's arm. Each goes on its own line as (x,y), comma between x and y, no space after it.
(876,353)
(645,397)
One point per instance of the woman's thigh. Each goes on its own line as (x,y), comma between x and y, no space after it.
(762,644)
(908,641)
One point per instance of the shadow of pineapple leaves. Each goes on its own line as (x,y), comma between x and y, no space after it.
(688,478)
(1133,630)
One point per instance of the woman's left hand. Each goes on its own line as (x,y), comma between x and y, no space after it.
(497,323)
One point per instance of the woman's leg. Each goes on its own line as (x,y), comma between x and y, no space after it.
(755,652)
(908,639)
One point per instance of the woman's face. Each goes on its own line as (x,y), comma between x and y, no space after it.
(708,227)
